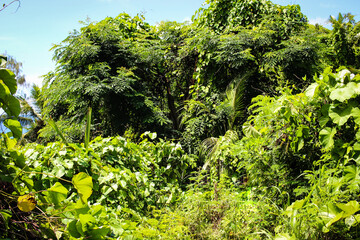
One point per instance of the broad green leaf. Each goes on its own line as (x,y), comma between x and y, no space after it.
(11,105)
(327,137)
(312,90)
(356,146)
(340,116)
(84,185)
(349,208)
(358,135)
(71,227)
(329,211)
(8,77)
(333,220)
(59,171)
(249,131)
(323,121)
(4,90)
(352,174)
(14,126)
(79,228)
(56,194)
(99,232)
(292,209)
(87,221)
(355,113)
(344,93)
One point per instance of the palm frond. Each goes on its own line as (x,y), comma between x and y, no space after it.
(235,99)
(208,147)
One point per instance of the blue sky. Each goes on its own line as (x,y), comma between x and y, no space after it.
(28,33)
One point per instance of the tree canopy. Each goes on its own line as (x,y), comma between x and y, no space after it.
(243,124)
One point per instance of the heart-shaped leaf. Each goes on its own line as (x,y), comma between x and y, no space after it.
(84,185)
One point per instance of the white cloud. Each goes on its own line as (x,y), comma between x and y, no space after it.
(187,19)
(321,21)
(34,79)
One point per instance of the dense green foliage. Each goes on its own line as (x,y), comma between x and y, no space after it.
(243,124)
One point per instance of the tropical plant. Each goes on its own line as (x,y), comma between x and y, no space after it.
(343,39)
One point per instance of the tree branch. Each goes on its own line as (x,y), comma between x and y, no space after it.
(7,5)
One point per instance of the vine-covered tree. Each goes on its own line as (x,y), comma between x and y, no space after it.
(97,67)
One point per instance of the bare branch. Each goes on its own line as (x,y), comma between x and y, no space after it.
(7,5)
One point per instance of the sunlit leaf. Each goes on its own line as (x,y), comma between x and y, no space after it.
(349,208)
(56,194)
(312,90)
(355,113)
(340,116)
(11,105)
(8,77)
(14,126)
(84,185)
(345,93)
(26,203)
(327,137)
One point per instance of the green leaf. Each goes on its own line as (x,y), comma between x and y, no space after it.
(8,77)
(345,93)
(340,116)
(71,227)
(151,135)
(312,90)
(333,220)
(59,171)
(349,208)
(284,236)
(6,216)
(11,105)
(14,126)
(4,90)
(56,194)
(123,184)
(327,137)
(249,131)
(323,121)
(356,146)
(300,143)
(358,135)
(99,232)
(329,211)
(355,113)
(115,226)
(87,221)
(84,185)
(53,124)
(352,175)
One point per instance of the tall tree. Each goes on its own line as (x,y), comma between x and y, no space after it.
(97,67)
(344,39)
